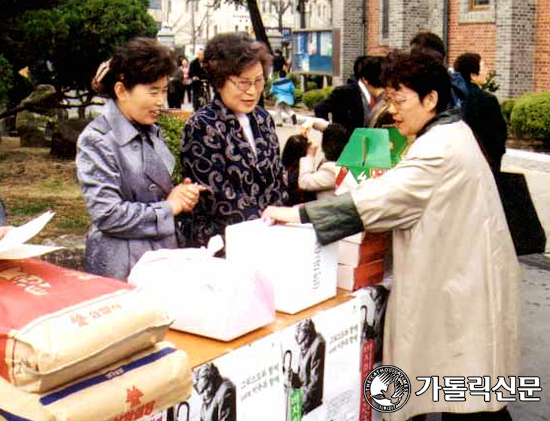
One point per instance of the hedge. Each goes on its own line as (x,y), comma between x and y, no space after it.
(172,129)
(530,117)
(506,106)
(311,98)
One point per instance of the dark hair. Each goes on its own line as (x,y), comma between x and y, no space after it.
(421,73)
(295,148)
(467,64)
(139,61)
(282,73)
(335,138)
(229,54)
(429,43)
(371,70)
(357,65)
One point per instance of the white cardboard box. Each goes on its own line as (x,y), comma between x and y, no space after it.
(302,271)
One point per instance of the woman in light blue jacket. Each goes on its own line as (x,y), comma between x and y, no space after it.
(124,166)
(283,89)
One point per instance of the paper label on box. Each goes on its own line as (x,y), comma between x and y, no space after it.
(238,386)
(321,357)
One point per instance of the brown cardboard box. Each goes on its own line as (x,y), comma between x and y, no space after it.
(353,278)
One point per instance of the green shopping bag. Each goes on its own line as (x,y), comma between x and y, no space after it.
(371,152)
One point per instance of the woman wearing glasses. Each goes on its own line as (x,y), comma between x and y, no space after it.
(453,309)
(230,145)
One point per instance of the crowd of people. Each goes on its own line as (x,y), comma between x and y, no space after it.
(453,308)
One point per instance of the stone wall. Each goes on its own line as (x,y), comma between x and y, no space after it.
(348,16)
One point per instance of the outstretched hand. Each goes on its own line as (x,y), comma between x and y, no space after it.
(280,214)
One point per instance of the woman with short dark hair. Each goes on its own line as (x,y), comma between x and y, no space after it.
(124,166)
(481,110)
(454,308)
(230,145)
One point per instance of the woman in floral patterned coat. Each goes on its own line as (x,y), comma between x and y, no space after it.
(230,145)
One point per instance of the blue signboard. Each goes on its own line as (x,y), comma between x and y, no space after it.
(312,51)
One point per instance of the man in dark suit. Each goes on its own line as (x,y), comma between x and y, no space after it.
(197,75)
(349,104)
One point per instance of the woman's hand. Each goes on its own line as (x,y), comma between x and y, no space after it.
(185,196)
(279,214)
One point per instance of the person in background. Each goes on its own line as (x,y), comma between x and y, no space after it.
(322,179)
(481,109)
(230,145)
(430,44)
(295,148)
(348,104)
(197,73)
(184,68)
(379,115)
(283,89)
(124,166)
(175,89)
(279,63)
(454,305)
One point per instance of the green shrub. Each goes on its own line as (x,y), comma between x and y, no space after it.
(172,128)
(506,106)
(310,86)
(530,117)
(295,78)
(311,98)
(5,77)
(298,95)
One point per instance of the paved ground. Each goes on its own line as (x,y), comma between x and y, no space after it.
(535,356)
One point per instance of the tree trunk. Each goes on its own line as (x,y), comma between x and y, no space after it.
(257,23)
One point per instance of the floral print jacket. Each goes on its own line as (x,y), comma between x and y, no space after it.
(241,183)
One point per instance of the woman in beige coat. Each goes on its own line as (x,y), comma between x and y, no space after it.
(453,309)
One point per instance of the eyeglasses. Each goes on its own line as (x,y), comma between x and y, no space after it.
(244,85)
(398,100)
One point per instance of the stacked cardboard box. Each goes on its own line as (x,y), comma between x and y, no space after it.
(361,260)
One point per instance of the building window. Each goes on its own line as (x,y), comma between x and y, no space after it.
(236,28)
(385,32)
(196,5)
(477,11)
(215,29)
(187,6)
(479,4)
(155,4)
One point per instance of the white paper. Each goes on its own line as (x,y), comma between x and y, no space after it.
(12,245)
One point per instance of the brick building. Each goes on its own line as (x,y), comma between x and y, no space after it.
(512,36)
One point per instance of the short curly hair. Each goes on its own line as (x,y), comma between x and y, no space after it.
(139,61)
(229,54)
(421,73)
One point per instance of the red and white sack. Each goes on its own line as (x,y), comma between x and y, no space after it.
(58,324)
(206,295)
(134,388)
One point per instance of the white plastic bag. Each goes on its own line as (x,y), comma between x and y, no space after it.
(205,295)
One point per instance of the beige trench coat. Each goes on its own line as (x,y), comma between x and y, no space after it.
(454,304)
